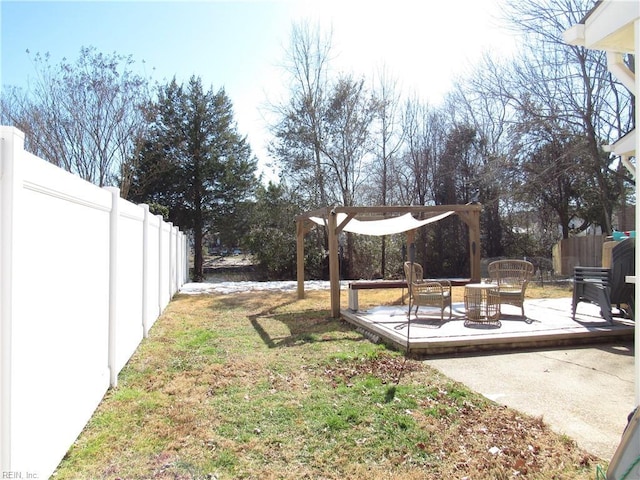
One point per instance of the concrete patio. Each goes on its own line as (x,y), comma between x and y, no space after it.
(548,323)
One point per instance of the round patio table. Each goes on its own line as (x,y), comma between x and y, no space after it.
(482,302)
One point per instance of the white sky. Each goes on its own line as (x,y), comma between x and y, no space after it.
(239,45)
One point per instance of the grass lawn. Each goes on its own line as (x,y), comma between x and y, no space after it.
(263,386)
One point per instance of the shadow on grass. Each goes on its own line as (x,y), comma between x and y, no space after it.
(292,328)
(308,327)
(279,328)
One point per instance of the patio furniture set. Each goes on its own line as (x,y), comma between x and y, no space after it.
(608,287)
(611,287)
(507,285)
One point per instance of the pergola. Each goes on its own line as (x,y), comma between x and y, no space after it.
(469,214)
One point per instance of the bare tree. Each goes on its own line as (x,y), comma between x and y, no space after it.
(570,87)
(424,131)
(84,117)
(347,147)
(388,136)
(388,141)
(298,134)
(473,102)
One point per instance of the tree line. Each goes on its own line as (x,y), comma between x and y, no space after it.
(523,136)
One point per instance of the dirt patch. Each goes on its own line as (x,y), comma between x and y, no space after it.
(226,261)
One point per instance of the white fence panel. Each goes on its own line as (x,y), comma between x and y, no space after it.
(151,294)
(164,281)
(173,263)
(60,311)
(129,326)
(83,276)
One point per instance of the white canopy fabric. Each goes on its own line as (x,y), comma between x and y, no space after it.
(387,226)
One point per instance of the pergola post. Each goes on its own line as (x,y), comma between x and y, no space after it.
(411,238)
(300,232)
(474,245)
(334,265)
(472,219)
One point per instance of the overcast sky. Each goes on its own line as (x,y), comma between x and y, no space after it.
(240,45)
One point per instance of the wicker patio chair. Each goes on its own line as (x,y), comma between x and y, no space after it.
(512,278)
(607,287)
(423,292)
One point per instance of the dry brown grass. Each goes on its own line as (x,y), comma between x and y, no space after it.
(264,386)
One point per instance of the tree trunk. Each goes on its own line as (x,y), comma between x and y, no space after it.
(383,255)
(198,273)
(198,228)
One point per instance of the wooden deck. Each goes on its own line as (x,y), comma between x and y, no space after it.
(548,323)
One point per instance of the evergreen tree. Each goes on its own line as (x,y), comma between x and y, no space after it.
(272,237)
(195,162)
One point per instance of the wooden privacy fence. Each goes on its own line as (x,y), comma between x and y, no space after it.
(84,275)
(583,251)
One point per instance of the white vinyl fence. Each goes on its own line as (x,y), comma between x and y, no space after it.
(84,275)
